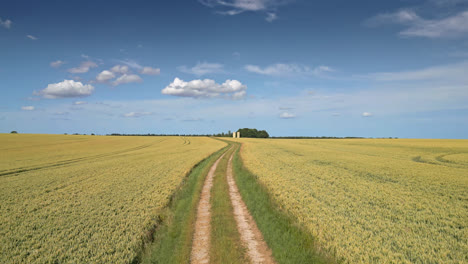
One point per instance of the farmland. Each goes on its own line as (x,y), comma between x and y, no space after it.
(371,200)
(85,199)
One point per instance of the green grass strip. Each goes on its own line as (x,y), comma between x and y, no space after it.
(226,246)
(289,242)
(172,241)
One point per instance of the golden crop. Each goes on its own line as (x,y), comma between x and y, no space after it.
(87,199)
(372,200)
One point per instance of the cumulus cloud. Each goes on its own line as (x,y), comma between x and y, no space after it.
(120,69)
(281,69)
(366,114)
(105,76)
(202,68)
(137,114)
(5,23)
(31,37)
(28,108)
(235,7)
(65,89)
(84,67)
(56,64)
(150,71)
(416,26)
(80,103)
(206,88)
(286,115)
(127,78)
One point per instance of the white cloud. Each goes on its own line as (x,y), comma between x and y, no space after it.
(366,114)
(206,89)
(150,71)
(416,26)
(235,7)
(5,23)
(131,63)
(137,114)
(281,69)
(105,76)
(80,103)
(65,89)
(286,115)
(28,108)
(451,72)
(120,69)
(56,63)
(31,37)
(202,68)
(84,67)
(127,78)
(321,70)
(271,17)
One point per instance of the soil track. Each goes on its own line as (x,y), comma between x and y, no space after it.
(201,238)
(257,249)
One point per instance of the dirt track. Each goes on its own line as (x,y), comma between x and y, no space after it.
(201,238)
(251,237)
(257,249)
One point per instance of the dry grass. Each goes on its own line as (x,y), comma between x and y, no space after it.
(372,201)
(87,199)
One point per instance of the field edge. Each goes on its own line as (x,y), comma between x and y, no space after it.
(169,232)
(288,240)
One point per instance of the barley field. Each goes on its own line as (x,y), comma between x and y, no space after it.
(371,200)
(87,199)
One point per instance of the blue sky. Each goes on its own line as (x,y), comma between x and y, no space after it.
(294,68)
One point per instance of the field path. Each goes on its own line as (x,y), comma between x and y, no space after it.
(201,238)
(257,249)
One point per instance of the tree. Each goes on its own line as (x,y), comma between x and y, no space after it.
(253,133)
(14,132)
(263,134)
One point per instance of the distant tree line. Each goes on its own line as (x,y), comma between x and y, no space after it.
(166,135)
(322,137)
(325,137)
(245,132)
(253,133)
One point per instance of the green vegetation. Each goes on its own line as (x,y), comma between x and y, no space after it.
(289,242)
(226,245)
(172,241)
(253,133)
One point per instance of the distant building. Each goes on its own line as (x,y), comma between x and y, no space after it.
(238,134)
(234,134)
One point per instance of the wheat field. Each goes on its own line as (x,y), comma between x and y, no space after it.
(87,199)
(371,200)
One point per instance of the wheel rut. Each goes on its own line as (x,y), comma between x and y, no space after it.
(201,239)
(251,238)
(257,249)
